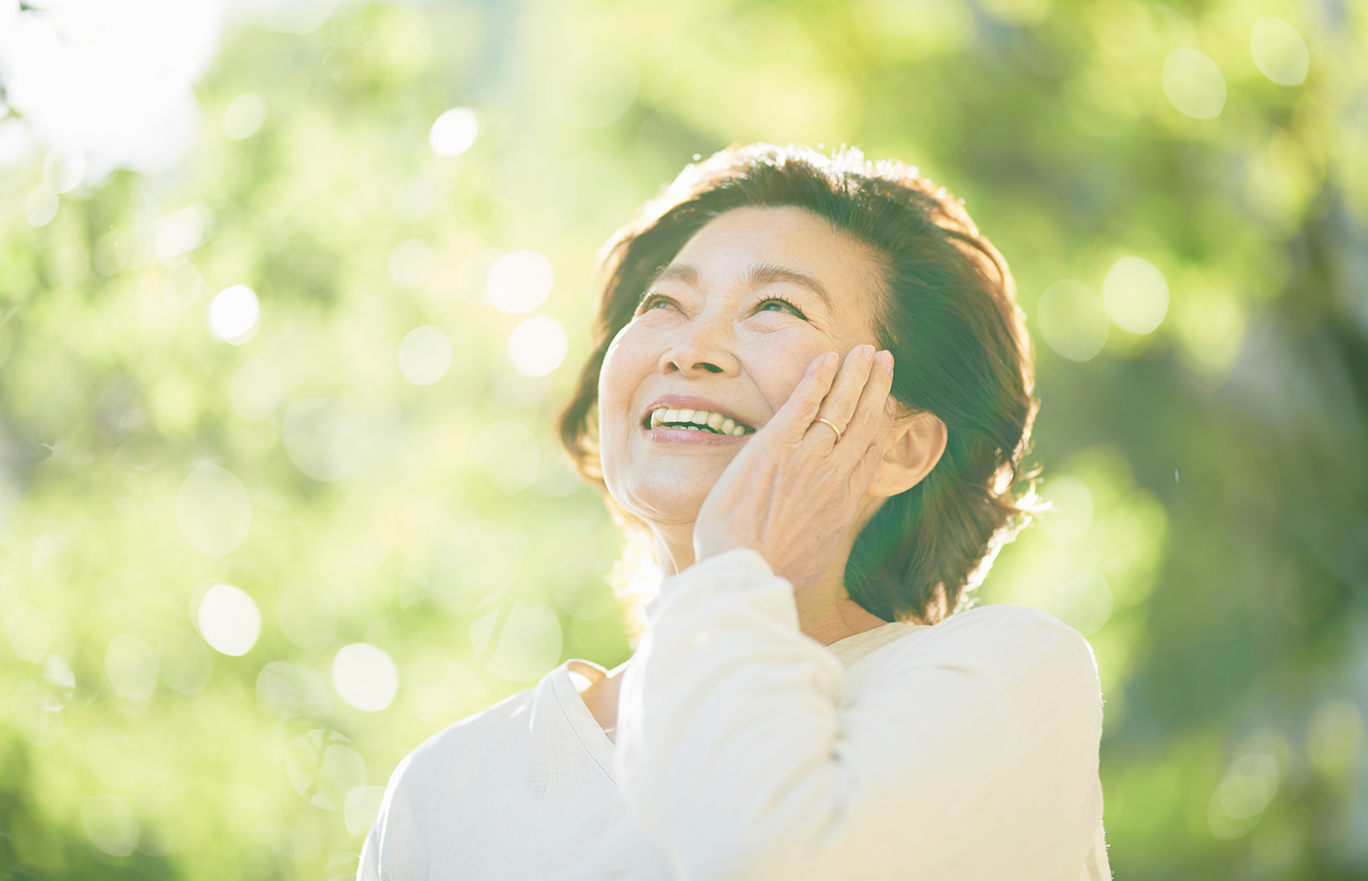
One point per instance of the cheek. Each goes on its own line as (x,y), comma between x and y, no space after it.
(779,368)
(625,366)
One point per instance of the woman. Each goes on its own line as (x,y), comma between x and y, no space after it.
(808,700)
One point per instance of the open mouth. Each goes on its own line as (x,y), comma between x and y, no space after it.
(696,420)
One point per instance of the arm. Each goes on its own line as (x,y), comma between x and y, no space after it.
(973,755)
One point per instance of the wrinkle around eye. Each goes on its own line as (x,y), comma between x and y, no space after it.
(786,307)
(652,301)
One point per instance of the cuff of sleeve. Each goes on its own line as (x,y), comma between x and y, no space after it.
(739,575)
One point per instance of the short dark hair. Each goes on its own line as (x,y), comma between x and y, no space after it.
(948,314)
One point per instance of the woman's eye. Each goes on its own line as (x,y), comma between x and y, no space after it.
(654,301)
(774,304)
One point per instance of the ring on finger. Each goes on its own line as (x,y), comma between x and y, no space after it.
(829,424)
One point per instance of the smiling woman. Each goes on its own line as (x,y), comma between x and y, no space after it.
(810,391)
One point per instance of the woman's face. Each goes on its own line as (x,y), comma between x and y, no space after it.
(728,329)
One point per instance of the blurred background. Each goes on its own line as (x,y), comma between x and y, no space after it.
(290,291)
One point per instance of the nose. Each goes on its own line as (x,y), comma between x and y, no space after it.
(705,345)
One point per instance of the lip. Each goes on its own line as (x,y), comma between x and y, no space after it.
(689,402)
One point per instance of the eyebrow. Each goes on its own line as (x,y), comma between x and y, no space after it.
(759,276)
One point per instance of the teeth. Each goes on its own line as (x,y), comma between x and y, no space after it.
(715,421)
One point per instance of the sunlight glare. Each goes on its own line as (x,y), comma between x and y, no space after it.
(229,620)
(242,117)
(424,355)
(1136,294)
(1073,320)
(1279,52)
(520,282)
(234,315)
(365,676)
(1194,84)
(537,346)
(454,132)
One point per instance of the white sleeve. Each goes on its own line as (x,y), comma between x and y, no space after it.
(392,851)
(972,754)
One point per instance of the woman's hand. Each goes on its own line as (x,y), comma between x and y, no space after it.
(793,491)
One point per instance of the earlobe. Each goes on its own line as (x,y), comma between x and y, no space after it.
(912,449)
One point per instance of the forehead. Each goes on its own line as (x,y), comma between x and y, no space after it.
(731,245)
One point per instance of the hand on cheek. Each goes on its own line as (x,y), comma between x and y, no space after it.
(793,492)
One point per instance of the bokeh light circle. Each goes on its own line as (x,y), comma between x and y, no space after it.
(213,511)
(131,667)
(529,644)
(286,690)
(234,314)
(472,276)
(242,117)
(538,346)
(424,355)
(1194,84)
(229,620)
(64,168)
(365,676)
(410,263)
(111,824)
(323,768)
(1073,320)
(520,282)
(454,132)
(1279,51)
(1070,513)
(41,205)
(1136,294)
(1085,603)
(326,438)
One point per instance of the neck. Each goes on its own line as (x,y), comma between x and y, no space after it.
(825,610)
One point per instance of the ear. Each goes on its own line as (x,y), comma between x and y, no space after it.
(912,449)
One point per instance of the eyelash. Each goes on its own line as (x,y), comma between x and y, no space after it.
(651,299)
(788,303)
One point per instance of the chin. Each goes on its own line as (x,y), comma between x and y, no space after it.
(666,499)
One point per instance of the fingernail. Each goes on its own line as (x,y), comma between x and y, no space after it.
(867,353)
(832,359)
(891,405)
(887,358)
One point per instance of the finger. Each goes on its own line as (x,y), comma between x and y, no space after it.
(840,402)
(871,419)
(800,409)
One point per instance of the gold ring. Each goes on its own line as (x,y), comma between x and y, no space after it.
(832,425)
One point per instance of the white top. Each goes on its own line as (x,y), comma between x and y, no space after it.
(747,750)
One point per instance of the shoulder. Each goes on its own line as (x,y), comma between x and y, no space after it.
(460,750)
(457,766)
(1016,631)
(1011,645)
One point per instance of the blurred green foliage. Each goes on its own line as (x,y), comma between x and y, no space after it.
(1209,475)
